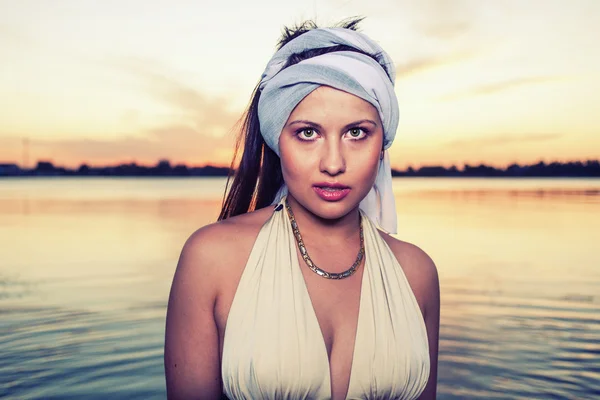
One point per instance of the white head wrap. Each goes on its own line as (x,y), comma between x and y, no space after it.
(350,71)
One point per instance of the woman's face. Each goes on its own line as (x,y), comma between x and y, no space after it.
(330,149)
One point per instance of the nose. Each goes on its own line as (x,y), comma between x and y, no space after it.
(333,161)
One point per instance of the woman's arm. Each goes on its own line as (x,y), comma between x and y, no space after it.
(192,365)
(432,323)
(422,276)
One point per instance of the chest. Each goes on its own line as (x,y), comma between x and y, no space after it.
(336,305)
(286,332)
(333,304)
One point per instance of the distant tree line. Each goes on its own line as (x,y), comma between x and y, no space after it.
(163,168)
(590,168)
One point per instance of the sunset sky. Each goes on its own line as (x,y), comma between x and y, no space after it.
(114,81)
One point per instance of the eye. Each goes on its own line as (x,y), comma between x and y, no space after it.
(357,133)
(306,134)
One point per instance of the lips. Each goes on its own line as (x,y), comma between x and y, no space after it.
(331,191)
(332,186)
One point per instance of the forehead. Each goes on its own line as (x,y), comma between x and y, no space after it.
(328,102)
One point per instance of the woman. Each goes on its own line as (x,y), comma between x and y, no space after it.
(297,292)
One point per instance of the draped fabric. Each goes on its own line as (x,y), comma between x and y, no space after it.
(273,346)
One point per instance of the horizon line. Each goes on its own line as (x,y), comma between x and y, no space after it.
(165,161)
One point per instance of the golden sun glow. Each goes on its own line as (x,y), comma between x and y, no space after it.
(108,82)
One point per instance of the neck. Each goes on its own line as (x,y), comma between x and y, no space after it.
(326,230)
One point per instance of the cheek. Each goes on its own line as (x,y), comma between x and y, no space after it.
(294,162)
(368,164)
(367,159)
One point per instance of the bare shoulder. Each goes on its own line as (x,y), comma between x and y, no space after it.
(210,257)
(213,257)
(221,244)
(419,269)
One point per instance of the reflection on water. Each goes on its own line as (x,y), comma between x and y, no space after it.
(86,266)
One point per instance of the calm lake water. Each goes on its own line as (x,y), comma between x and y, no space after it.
(86,266)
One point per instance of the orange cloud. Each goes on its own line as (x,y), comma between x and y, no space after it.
(177,143)
(201,129)
(496,87)
(502,139)
(417,65)
(206,112)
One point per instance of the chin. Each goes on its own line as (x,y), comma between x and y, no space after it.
(332,212)
(331,209)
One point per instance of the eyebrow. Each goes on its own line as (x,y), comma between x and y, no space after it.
(317,126)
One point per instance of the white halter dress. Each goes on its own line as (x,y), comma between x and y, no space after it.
(273,346)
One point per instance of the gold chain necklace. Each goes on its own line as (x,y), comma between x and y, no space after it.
(311,264)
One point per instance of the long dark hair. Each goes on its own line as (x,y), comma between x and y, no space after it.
(258,176)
